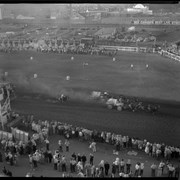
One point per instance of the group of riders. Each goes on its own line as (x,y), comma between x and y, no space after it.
(54,46)
(130,103)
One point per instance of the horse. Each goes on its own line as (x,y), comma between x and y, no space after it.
(63,98)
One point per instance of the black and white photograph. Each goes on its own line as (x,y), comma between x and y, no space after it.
(90,90)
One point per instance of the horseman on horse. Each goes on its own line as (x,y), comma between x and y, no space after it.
(63,98)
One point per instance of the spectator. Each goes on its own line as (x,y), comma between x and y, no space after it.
(137,168)
(60,145)
(106,167)
(128,166)
(73,156)
(50,156)
(63,161)
(67,145)
(141,169)
(1,159)
(122,165)
(73,163)
(113,169)
(153,170)
(177,171)
(162,165)
(79,158)
(91,158)
(83,158)
(171,170)
(47,144)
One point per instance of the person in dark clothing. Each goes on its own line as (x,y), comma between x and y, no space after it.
(74,156)
(177,171)
(91,158)
(78,157)
(113,169)
(34,148)
(106,167)
(9,173)
(83,159)
(11,161)
(50,156)
(46,158)
(4,170)
(1,159)
(128,166)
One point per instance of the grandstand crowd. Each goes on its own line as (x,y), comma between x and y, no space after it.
(38,149)
(53,46)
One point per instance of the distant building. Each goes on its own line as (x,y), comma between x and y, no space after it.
(139,8)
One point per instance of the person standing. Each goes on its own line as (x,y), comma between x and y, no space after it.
(141,169)
(128,166)
(137,167)
(162,165)
(91,158)
(122,164)
(60,145)
(47,144)
(79,157)
(106,167)
(1,158)
(153,170)
(73,162)
(177,171)
(74,156)
(67,145)
(83,160)
(171,170)
(159,171)
(50,156)
(113,170)
(63,161)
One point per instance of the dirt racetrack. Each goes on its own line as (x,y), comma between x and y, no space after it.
(158,84)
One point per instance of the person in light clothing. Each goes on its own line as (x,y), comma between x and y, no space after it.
(93,146)
(141,169)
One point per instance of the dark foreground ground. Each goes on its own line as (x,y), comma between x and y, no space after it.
(159,84)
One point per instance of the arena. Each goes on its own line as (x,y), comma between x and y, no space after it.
(158,85)
(89,91)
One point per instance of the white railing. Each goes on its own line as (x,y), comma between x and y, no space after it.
(170,55)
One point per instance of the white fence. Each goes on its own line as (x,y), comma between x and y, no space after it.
(20,135)
(128,49)
(120,48)
(170,55)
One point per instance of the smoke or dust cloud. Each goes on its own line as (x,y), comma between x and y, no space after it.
(37,86)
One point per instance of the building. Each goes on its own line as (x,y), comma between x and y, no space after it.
(139,8)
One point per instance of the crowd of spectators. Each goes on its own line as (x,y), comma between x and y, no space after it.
(38,149)
(55,46)
(173,48)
